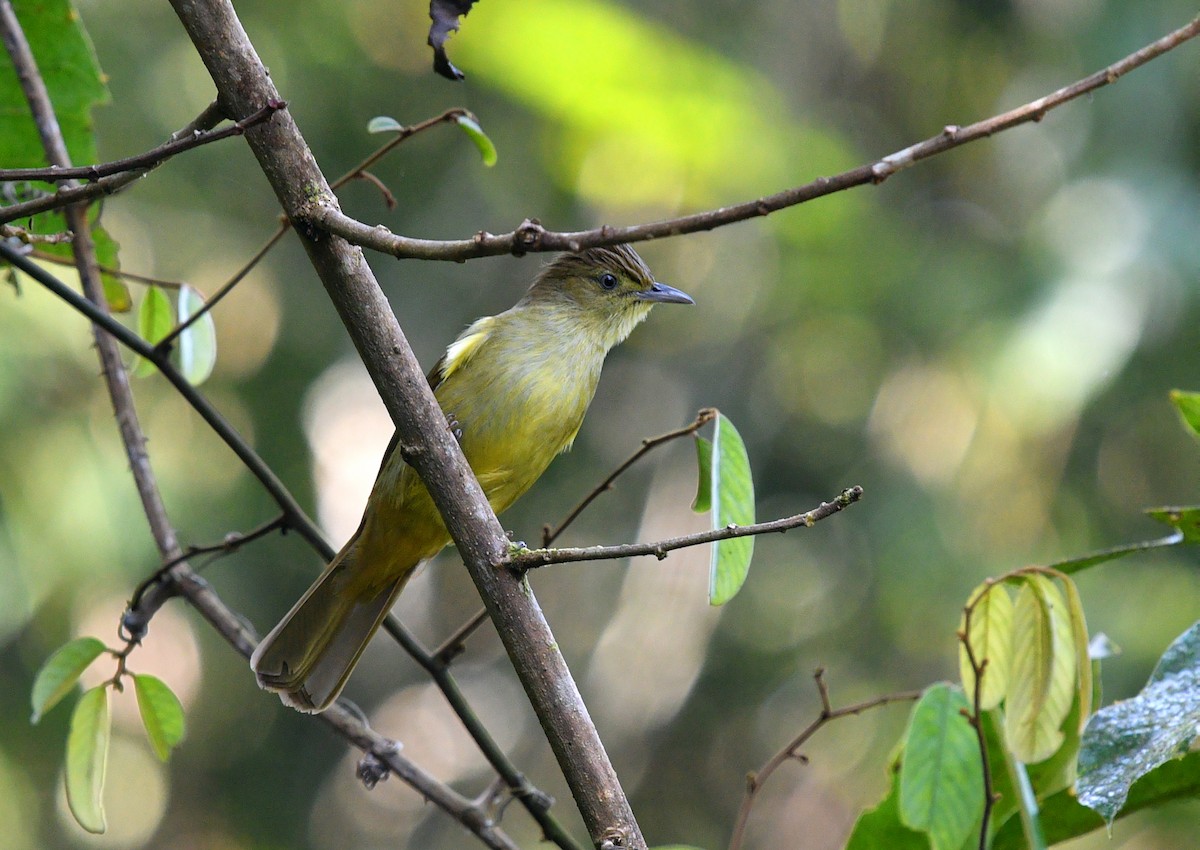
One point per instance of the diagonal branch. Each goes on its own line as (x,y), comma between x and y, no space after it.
(205,121)
(530,236)
(143,161)
(426,442)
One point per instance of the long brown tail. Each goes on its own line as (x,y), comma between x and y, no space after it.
(308,657)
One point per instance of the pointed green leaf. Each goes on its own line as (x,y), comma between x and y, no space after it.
(1070,566)
(732,493)
(703,501)
(941,775)
(87,758)
(1186,519)
(991,642)
(1188,405)
(1125,741)
(196,348)
(487,150)
(154,321)
(162,714)
(384,124)
(1043,672)
(60,672)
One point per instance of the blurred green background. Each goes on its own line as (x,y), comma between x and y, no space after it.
(985,343)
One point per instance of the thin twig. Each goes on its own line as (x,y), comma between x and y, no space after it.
(755,780)
(705,416)
(229,544)
(359,170)
(530,236)
(143,161)
(527,559)
(11,231)
(206,120)
(43,257)
(975,716)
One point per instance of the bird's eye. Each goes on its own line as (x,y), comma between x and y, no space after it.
(608,280)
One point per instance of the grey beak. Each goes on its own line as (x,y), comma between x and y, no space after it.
(660,293)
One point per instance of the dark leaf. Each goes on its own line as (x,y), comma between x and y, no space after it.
(445,15)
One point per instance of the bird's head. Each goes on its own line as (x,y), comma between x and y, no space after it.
(604,291)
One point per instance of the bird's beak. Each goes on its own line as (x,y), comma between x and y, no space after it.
(660,293)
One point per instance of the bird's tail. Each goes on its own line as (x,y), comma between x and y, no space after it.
(308,657)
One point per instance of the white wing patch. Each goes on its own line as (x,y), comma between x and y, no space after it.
(464,348)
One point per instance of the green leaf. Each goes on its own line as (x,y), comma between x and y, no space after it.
(384,124)
(1125,741)
(732,494)
(162,714)
(67,63)
(703,501)
(1186,519)
(154,321)
(116,293)
(941,776)
(1188,405)
(881,827)
(1064,817)
(60,672)
(87,758)
(196,348)
(991,642)
(1042,677)
(1076,565)
(487,150)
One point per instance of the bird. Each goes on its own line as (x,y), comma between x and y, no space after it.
(514,388)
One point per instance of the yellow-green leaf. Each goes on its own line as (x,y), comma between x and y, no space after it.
(162,714)
(1042,675)
(154,322)
(732,492)
(196,348)
(87,758)
(60,672)
(991,643)
(487,150)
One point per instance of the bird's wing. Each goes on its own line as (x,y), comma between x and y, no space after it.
(461,350)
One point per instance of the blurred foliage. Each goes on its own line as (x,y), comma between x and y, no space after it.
(985,343)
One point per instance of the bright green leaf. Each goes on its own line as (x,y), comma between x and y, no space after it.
(732,493)
(116,293)
(941,774)
(196,348)
(384,124)
(60,672)
(1186,519)
(87,758)
(1188,405)
(991,642)
(162,714)
(1127,740)
(487,150)
(154,321)
(703,501)
(1042,676)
